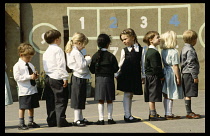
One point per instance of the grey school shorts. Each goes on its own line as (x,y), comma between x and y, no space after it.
(189,87)
(29,101)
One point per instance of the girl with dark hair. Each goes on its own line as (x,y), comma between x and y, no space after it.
(104,64)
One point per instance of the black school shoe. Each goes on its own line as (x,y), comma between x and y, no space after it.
(156,117)
(99,122)
(86,122)
(111,121)
(128,120)
(33,125)
(22,127)
(79,123)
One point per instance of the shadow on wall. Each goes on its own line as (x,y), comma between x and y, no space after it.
(12,37)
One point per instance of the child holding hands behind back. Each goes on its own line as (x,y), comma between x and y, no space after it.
(154,74)
(172,88)
(190,70)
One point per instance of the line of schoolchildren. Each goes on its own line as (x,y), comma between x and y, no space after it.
(138,65)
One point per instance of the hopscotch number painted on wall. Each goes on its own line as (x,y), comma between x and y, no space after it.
(82,19)
(174,20)
(144,21)
(114,24)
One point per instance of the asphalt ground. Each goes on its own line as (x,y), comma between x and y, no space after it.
(140,109)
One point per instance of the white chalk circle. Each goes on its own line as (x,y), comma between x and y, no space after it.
(31,33)
(199,35)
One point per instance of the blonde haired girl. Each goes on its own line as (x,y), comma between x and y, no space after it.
(79,65)
(172,84)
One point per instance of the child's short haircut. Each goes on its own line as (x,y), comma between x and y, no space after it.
(51,35)
(149,35)
(25,49)
(168,40)
(189,36)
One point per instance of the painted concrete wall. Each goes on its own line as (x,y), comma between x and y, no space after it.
(93,19)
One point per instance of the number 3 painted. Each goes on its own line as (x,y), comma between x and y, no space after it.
(144,21)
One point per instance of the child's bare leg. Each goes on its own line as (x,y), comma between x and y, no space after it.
(152,108)
(30,115)
(21,116)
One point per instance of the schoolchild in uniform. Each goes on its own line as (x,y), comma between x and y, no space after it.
(25,75)
(104,64)
(129,75)
(172,88)
(56,80)
(154,74)
(190,70)
(79,64)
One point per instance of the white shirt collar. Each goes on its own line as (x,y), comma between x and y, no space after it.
(103,49)
(152,46)
(22,62)
(53,44)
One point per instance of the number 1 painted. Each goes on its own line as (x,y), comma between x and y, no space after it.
(82,19)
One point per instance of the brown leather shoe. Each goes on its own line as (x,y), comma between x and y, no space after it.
(193,116)
(170,117)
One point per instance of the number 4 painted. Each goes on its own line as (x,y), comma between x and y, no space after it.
(174,20)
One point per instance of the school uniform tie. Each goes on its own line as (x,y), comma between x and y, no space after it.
(31,72)
(132,50)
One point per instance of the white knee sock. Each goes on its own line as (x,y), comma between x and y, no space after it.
(170,105)
(76,114)
(127,104)
(109,110)
(165,105)
(101,111)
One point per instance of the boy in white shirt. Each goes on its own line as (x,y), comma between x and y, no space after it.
(24,75)
(56,80)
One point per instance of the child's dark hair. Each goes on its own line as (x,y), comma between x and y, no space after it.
(129,32)
(51,35)
(103,41)
(149,35)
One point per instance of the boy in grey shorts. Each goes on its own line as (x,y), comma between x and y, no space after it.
(190,70)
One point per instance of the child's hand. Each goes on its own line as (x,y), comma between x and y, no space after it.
(143,80)
(33,76)
(162,79)
(65,83)
(37,75)
(196,80)
(178,82)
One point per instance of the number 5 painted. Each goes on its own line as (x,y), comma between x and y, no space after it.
(144,21)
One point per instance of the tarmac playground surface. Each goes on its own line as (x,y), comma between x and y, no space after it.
(139,109)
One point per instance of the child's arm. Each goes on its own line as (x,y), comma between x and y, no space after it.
(177,74)
(92,65)
(18,76)
(122,58)
(144,50)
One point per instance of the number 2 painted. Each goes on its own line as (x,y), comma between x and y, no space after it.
(114,24)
